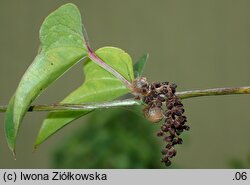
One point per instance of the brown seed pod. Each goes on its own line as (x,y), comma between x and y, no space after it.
(140,86)
(153,114)
(162,102)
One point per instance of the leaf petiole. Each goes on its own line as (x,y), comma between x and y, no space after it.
(102,64)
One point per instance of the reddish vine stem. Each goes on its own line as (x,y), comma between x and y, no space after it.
(104,65)
(101,63)
(132,102)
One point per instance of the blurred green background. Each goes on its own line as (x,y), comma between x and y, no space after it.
(197,44)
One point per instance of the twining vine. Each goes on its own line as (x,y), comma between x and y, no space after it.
(133,102)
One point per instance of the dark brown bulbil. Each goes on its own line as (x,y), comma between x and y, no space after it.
(162,103)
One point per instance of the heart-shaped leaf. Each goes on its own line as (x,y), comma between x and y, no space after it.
(62,46)
(99,85)
(139,65)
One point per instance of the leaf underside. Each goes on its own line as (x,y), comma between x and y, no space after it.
(62,46)
(99,85)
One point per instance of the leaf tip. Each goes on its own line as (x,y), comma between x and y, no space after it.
(35,148)
(140,64)
(14,154)
(36,145)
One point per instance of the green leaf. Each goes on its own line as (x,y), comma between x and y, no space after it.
(9,124)
(99,85)
(62,46)
(139,65)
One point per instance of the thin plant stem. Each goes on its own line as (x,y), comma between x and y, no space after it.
(133,102)
(214,92)
(80,107)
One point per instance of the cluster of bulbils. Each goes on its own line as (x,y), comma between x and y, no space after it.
(162,103)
